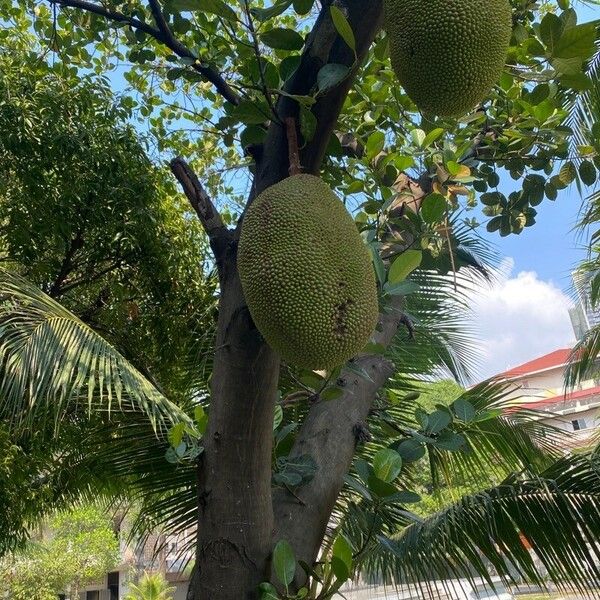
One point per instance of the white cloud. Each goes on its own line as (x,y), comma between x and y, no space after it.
(519,318)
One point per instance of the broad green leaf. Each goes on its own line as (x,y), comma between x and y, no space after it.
(302,7)
(587,172)
(175,434)
(201,419)
(381,488)
(263,14)
(308,123)
(343,550)
(284,562)
(418,136)
(404,265)
(342,26)
(432,136)
(551,29)
(438,420)
(268,592)
(331,75)
(387,464)
(463,410)
(282,39)
(433,208)
(250,112)
(216,7)
(411,450)
(576,42)
(567,173)
(375,144)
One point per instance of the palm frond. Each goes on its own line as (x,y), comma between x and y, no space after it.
(52,364)
(533,530)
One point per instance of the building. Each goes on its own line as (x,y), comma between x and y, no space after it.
(539,384)
(583,315)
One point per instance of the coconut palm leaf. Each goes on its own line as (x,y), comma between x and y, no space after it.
(53,365)
(557,515)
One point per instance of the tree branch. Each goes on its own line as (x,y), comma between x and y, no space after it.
(323,46)
(218,235)
(328,436)
(163,35)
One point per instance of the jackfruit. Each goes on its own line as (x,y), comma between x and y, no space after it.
(447,54)
(306,274)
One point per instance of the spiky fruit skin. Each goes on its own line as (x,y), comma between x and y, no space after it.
(448,54)
(307,276)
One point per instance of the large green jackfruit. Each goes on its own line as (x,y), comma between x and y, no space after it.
(306,274)
(447,54)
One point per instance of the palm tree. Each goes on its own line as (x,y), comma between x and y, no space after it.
(109,428)
(151,586)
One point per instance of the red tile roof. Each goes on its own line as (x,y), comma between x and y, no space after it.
(557,358)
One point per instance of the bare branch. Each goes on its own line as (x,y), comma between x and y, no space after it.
(218,235)
(163,35)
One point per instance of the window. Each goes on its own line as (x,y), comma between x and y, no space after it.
(579,424)
(93,595)
(112,582)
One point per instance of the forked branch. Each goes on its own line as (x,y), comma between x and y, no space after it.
(219,236)
(161,33)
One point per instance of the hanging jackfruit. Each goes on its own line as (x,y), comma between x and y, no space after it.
(306,274)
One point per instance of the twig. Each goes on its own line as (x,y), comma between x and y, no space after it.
(261,66)
(294,154)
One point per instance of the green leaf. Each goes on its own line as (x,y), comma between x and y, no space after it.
(282,39)
(387,464)
(343,551)
(539,93)
(250,113)
(404,265)
(432,136)
(433,208)
(418,136)
(375,144)
(411,450)
(404,288)
(175,434)
(302,7)
(463,410)
(201,419)
(263,14)
(576,42)
(268,591)
(576,81)
(587,172)
(331,75)
(216,7)
(567,173)
(308,123)
(284,562)
(551,29)
(438,420)
(381,488)
(448,440)
(342,26)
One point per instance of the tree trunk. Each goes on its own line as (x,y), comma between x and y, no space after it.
(236,525)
